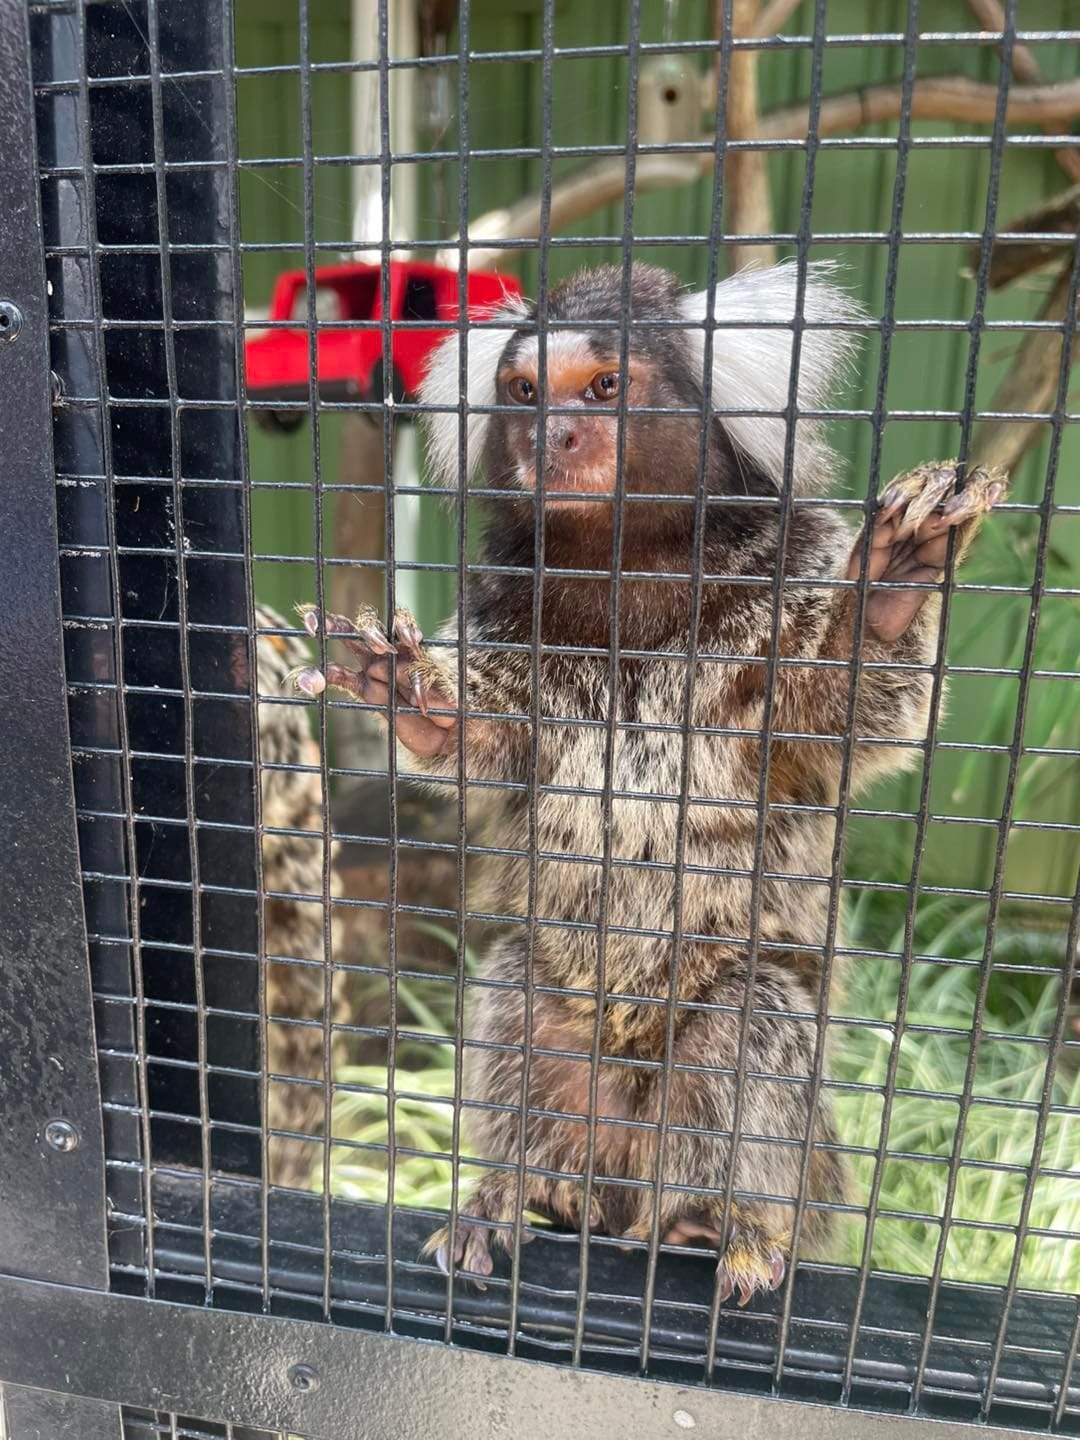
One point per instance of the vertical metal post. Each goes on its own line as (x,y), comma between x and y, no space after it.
(52,1179)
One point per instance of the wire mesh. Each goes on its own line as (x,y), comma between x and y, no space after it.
(288,945)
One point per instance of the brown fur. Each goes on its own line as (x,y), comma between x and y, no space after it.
(291,869)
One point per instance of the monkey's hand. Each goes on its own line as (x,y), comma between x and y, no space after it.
(910,536)
(426,718)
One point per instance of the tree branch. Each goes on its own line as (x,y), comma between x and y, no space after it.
(1030,385)
(947,97)
(1011,259)
(1025,68)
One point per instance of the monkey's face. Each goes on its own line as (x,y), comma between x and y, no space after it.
(580,436)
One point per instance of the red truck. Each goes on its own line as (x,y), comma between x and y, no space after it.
(350,360)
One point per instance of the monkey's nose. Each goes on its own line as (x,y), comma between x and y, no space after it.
(564,437)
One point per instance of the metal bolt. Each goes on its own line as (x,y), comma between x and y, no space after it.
(304,1378)
(61,1135)
(10,320)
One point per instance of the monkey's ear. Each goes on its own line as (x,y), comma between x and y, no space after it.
(441,387)
(751,368)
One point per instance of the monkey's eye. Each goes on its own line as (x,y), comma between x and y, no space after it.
(604,386)
(522,391)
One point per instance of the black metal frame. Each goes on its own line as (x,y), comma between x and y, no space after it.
(192,1252)
(50,1066)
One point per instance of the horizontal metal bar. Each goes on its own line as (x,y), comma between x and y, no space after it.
(239,1368)
(43,1415)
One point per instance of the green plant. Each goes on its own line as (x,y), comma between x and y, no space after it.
(932,1057)
(423,1101)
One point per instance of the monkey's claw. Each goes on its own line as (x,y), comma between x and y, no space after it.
(753,1262)
(386,666)
(409,639)
(407,633)
(309,680)
(472,1250)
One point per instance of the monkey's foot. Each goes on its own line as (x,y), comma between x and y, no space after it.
(472,1248)
(910,536)
(399,656)
(493,1207)
(753,1260)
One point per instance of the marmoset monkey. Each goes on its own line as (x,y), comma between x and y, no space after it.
(745,465)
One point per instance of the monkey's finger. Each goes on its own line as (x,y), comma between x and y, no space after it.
(370,628)
(406,632)
(417,688)
(342,678)
(974,500)
(777,1269)
(427,693)
(917,495)
(380,671)
(307,679)
(438,1247)
(375,692)
(477,1258)
(364,637)
(931,540)
(882,545)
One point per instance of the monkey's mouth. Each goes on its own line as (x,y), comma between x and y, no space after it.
(562,482)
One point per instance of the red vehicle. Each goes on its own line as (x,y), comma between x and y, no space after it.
(350,360)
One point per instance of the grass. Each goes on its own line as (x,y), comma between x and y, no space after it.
(931,1062)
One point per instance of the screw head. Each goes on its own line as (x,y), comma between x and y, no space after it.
(10,320)
(61,1135)
(304,1378)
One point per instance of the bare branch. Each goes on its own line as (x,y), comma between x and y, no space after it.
(1013,258)
(1030,386)
(947,97)
(1025,67)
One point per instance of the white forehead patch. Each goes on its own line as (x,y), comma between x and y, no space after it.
(564,347)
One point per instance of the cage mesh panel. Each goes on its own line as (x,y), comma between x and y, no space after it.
(163,503)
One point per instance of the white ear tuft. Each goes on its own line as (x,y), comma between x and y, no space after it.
(442,386)
(751,369)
